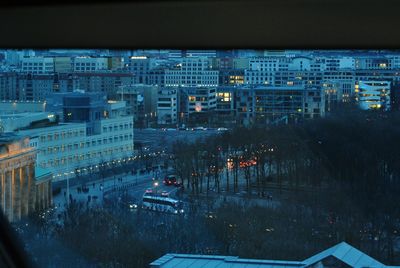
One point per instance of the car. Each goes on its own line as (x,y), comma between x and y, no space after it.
(164,193)
(132,205)
(149,191)
(172,180)
(222,129)
(199,128)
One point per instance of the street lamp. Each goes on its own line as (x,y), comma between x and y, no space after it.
(67,183)
(155,184)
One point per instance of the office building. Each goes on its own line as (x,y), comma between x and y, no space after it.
(107,82)
(272,105)
(141,102)
(167,107)
(8,86)
(38,87)
(201,102)
(63,64)
(89,64)
(372,95)
(225,106)
(97,135)
(140,66)
(37,65)
(192,72)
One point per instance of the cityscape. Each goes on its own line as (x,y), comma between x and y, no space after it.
(202,158)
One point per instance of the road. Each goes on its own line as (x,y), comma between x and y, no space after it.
(113,187)
(158,139)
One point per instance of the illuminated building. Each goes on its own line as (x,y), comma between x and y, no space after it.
(82,143)
(373,95)
(373,62)
(23,188)
(330,89)
(225,110)
(231,77)
(201,102)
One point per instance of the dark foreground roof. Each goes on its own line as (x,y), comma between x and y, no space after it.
(343,252)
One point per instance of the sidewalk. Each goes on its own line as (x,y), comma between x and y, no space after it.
(94,195)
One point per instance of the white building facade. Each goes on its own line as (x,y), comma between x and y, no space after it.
(192,72)
(66,150)
(37,65)
(89,64)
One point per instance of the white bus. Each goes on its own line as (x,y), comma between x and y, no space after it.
(160,203)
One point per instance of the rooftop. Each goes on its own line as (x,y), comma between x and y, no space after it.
(342,252)
(6,138)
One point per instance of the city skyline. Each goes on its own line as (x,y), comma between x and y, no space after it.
(202,152)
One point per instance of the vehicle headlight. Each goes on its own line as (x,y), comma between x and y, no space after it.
(175,211)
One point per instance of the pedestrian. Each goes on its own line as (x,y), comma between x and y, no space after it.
(93,184)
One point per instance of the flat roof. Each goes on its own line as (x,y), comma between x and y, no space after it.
(211,261)
(8,137)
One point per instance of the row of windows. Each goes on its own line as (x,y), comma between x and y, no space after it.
(87,144)
(85,64)
(62,135)
(36,64)
(80,157)
(116,127)
(85,69)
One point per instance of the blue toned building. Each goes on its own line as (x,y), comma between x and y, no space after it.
(341,255)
